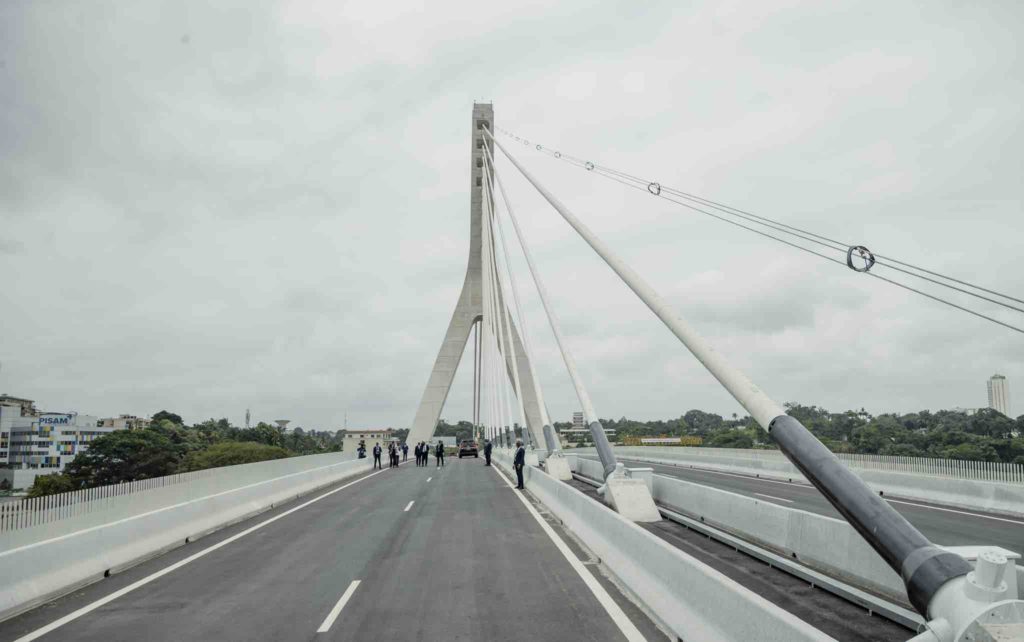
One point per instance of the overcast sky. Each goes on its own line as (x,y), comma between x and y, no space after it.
(208,207)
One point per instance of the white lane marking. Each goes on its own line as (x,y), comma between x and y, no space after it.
(429,478)
(788,501)
(70,617)
(813,489)
(614,611)
(952,510)
(409,506)
(342,601)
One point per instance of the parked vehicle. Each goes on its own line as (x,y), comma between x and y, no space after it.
(467,448)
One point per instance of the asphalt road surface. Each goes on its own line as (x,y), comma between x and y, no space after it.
(405,554)
(941,524)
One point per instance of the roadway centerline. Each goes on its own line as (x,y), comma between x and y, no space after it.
(788,501)
(429,478)
(614,611)
(70,617)
(408,506)
(342,601)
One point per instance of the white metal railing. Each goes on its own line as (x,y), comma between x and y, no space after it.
(961,469)
(138,496)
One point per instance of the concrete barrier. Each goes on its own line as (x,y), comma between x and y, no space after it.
(826,544)
(692,600)
(995,497)
(44,569)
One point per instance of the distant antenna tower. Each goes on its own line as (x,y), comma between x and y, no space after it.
(247,417)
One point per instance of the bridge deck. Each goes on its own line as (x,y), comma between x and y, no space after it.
(467,561)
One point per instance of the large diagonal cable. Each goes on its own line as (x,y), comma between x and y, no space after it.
(504,313)
(505,346)
(663,192)
(604,450)
(547,429)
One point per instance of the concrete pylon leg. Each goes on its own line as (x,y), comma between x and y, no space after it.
(469,309)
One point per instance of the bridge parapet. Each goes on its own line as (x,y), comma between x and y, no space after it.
(65,553)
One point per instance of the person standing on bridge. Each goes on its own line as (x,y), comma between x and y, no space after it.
(487,452)
(416,451)
(424,453)
(376,455)
(520,462)
(405,451)
(439,454)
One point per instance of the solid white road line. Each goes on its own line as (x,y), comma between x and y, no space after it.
(952,510)
(70,617)
(614,610)
(409,506)
(788,501)
(429,478)
(813,489)
(342,601)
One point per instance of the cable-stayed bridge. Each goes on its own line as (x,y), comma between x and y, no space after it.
(608,543)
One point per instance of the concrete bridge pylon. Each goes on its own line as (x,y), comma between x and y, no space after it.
(469,309)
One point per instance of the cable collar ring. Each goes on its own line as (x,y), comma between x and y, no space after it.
(864,253)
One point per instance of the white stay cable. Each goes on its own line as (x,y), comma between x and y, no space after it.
(485,341)
(488,274)
(504,314)
(760,406)
(527,346)
(500,406)
(570,363)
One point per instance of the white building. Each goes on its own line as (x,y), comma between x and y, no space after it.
(125,422)
(41,444)
(999,394)
(369,435)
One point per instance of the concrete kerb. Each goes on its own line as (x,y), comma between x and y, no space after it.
(694,601)
(45,570)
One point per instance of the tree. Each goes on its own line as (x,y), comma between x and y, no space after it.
(169,416)
(50,485)
(123,456)
(230,453)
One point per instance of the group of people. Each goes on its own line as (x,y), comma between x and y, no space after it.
(423,453)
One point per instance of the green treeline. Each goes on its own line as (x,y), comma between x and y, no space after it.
(168,446)
(946,434)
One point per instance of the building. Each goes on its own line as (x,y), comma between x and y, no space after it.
(970,412)
(125,422)
(369,435)
(999,394)
(28,407)
(578,421)
(41,443)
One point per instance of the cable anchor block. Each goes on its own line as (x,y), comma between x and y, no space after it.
(589,166)
(654,188)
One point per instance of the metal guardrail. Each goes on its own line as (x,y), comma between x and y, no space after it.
(38,511)
(956,468)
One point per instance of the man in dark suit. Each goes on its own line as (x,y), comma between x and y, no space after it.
(487,452)
(439,454)
(376,455)
(520,462)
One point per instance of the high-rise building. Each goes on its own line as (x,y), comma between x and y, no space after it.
(999,394)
